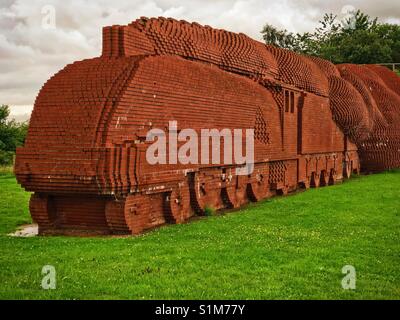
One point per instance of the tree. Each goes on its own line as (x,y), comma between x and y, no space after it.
(12,135)
(4,114)
(391,33)
(357,39)
(279,38)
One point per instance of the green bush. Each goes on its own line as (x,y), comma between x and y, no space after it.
(209,211)
(6,158)
(12,135)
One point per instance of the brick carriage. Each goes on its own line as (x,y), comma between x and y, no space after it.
(84,156)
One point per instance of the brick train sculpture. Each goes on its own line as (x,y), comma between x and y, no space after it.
(84,157)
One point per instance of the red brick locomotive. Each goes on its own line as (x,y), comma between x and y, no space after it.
(85,154)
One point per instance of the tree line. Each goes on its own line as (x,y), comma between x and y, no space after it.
(356,39)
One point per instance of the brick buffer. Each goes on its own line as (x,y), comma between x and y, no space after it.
(84,157)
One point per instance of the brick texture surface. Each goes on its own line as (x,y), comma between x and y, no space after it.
(85,154)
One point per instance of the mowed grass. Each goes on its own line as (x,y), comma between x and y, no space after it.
(14,203)
(283,248)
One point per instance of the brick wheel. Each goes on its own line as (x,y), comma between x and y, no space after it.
(137,212)
(115,216)
(207,191)
(178,204)
(235,192)
(259,186)
(42,211)
(236,195)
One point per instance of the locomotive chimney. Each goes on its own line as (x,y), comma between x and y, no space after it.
(120,41)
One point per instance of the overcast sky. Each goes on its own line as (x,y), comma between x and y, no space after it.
(31,50)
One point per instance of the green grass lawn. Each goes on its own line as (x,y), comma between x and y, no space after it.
(284,248)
